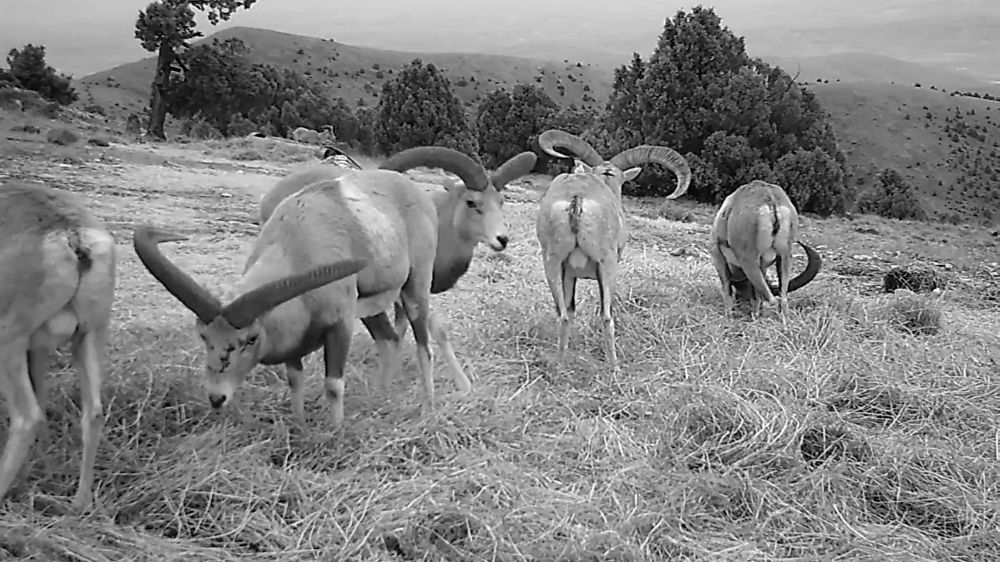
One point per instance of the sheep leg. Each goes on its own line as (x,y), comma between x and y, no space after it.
(295,375)
(88,351)
(23,410)
(569,297)
(784,266)
(722,268)
(763,292)
(418,311)
(441,337)
(401,321)
(387,345)
(37,372)
(335,349)
(556,279)
(607,276)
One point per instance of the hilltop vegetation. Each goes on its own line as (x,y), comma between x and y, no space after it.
(944,145)
(733,117)
(949,160)
(358,73)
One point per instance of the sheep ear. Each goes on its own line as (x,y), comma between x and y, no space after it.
(631,173)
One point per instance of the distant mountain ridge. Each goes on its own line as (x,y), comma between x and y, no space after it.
(358,73)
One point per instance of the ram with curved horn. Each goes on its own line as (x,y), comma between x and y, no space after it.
(331,252)
(581,223)
(468,213)
(755,228)
(57,285)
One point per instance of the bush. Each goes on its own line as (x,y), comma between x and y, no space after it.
(240,126)
(418,108)
(700,93)
(13,99)
(200,129)
(29,70)
(223,87)
(7,79)
(892,197)
(61,135)
(95,109)
(813,180)
(508,123)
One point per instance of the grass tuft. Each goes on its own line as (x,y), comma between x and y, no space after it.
(915,314)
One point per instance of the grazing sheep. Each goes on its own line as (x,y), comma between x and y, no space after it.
(754,228)
(306,136)
(581,224)
(58,265)
(468,213)
(334,251)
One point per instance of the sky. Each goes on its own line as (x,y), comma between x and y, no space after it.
(84,37)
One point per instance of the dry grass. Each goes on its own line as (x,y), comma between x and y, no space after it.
(836,436)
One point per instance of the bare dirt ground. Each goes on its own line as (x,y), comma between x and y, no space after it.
(863,429)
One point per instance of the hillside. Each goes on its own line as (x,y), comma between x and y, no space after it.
(946,146)
(357,73)
(877,112)
(870,67)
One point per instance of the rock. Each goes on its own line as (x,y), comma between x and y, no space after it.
(99,141)
(917,279)
(61,136)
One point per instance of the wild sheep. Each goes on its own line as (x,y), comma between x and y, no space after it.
(306,136)
(468,213)
(581,223)
(58,265)
(754,228)
(376,231)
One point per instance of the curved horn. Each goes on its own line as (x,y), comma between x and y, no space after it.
(807,275)
(247,307)
(331,151)
(471,173)
(666,157)
(517,166)
(580,149)
(185,289)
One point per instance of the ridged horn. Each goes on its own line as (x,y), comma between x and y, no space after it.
(807,275)
(517,166)
(247,307)
(471,173)
(667,157)
(197,299)
(553,139)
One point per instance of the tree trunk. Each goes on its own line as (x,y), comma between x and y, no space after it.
(157,99)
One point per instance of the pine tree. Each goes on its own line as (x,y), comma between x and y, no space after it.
(165,27)
(509,123)
(29,70)
(418,108)
(702,95)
